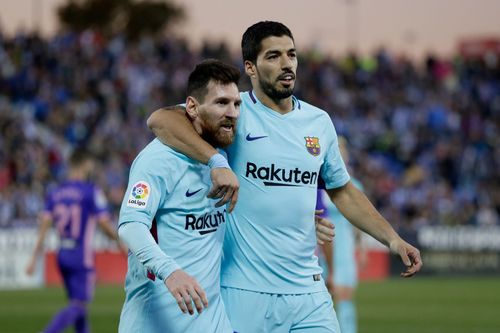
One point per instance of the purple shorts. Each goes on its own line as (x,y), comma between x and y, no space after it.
(79,281)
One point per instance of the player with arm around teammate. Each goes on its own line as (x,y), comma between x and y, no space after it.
(173,230)
(282,147)
(74,207)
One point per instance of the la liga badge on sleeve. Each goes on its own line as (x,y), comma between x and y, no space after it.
(139,195)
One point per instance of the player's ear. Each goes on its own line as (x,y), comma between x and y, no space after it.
(192,107)
(250,69)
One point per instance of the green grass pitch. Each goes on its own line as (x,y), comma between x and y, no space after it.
(421,304)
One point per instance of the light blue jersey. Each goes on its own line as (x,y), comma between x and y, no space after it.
(344,245)
(167,193)
(270,238)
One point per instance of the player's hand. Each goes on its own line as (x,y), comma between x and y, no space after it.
(30,268)
(409,254)
(225,186)
(325,230)
(186,290)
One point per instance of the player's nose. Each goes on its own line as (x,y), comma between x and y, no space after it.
(286,62)
(233,111)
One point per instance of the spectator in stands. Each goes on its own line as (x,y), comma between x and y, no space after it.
(430,129)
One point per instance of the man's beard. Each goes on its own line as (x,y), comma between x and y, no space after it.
(217,137)
(271,89)
(272,92)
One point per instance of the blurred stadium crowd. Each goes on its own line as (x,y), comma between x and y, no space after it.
(425,136)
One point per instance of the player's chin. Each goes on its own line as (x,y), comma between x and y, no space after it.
(225,137)
(285,91)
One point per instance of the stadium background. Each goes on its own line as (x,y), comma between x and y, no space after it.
(424,130)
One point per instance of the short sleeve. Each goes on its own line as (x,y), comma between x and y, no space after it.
(145,192)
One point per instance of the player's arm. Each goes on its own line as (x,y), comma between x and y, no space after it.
(182,286)
(45,223)
(104,223)
(356,207)
(172,127)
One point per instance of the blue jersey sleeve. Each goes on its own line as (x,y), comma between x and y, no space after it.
(146,190)
(140,241)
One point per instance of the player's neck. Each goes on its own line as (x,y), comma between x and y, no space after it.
(197,126)
(77,175)
(282,106)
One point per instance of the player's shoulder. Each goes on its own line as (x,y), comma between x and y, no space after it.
(156,151)
(92,188)
(313,114)
(52,190)
(247,103)
(85,188)
(247,98)
(158,156)
(311,109)
(91,191)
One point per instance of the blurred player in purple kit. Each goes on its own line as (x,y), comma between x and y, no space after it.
(75,207)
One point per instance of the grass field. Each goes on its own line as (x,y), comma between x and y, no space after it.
(423,305)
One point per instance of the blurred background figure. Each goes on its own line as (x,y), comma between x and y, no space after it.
(74,207)
(338,258)
(424,132)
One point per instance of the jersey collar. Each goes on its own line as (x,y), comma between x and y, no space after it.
(295,101)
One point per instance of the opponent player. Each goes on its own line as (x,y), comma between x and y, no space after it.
(282,147)
(341,274)
(75,207)
(174,231)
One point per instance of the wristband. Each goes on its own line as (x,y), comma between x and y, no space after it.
(218,161)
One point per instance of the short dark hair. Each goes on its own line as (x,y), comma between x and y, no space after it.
(253,36)
(210,69)
(79,156)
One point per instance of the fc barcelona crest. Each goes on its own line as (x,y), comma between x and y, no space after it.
(312,145)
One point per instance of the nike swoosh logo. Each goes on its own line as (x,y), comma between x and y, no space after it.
(190,194)
(252,138)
